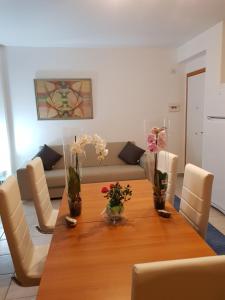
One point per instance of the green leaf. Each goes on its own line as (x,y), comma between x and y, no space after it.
(161,180)
(73,183)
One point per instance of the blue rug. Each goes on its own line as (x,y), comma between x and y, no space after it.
(214,238)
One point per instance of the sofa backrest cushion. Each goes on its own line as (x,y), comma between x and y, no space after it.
(48,156)
(131,153)
(60,163)
(90,160)
(111,159)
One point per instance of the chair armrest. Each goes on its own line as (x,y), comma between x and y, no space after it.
(24,184)
(147,163)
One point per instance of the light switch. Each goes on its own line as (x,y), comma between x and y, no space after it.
(173,107)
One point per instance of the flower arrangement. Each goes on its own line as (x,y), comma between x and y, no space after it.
(117,195)
(73,179)
(156,142)
(78,147)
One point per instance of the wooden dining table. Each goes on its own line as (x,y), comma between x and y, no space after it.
(94,260)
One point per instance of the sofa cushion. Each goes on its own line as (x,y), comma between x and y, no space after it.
(90,160)
(55,178)
(48,156)
(131,153)
(112,173)
(60,163)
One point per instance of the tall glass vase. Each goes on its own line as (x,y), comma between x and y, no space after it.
(157,143)
(73,189)
(73,182)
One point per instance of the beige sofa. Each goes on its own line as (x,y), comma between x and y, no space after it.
(110,169)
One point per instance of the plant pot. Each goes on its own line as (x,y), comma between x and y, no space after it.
(159,201)
(115,213)
(75,205)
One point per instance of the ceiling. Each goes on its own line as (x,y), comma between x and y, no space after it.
(106,23)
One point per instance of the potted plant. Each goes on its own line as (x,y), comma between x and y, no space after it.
(156,142)
(73,168)
(117,196)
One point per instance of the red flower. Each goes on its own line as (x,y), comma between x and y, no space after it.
(104,189)
(111,186)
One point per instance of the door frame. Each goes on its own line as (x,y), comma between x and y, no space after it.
(193,73)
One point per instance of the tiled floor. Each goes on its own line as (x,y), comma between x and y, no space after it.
(9,290)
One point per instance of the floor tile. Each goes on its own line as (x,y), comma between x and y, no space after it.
(28,207)
(6,265)
(3,237)
(4,285)
(179,185)
(44,239)
(56,203)
(31,220)
(18,292)
(1,231)
(4,249)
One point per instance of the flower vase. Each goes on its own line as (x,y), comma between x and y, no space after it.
(159,201)
(75,205)
(73,191)
(159,189)
(114,213)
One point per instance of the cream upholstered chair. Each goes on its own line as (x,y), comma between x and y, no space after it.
(28,259)
(167,162)
(196,197)
(46,214)
(186,279)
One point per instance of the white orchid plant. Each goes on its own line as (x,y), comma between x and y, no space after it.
(76,149)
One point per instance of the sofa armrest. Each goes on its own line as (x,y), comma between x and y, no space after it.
(24,184)
(147,163)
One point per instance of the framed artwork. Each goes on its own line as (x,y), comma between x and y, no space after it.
(63,99)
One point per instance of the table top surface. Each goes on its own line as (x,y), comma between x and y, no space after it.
(94,260)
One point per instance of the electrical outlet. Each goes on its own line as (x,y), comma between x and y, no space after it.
(174,107)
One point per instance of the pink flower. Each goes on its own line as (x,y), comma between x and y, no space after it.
(161,139)
(152,147)
(152,143)
(156,140)
(104,189)
(151,138)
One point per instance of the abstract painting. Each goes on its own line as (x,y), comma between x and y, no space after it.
(63,99)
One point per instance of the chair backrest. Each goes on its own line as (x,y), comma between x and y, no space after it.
(196,197)
(15,227)
(167,162)
(186,279)
(40,191)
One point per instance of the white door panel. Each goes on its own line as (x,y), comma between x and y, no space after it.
(213,159)
(194,125)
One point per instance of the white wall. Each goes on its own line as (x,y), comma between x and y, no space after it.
(5,165)
(211,41)
(195,63)
(129,86)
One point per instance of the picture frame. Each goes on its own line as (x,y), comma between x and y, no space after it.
(64,99)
